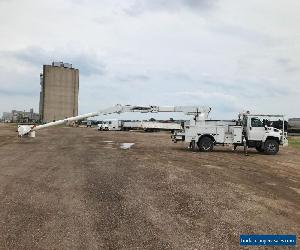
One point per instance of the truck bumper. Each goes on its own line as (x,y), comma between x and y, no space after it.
(284,142)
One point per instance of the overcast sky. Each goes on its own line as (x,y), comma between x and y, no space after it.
(231,55)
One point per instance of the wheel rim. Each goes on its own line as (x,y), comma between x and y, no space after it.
(206,146)
(271,147)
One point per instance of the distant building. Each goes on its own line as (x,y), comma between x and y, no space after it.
(59,91)
(7,116)
(20,116)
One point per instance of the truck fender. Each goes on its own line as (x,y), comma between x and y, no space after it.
(207,135)
(272,138)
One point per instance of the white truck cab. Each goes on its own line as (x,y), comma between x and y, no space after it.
(260,133)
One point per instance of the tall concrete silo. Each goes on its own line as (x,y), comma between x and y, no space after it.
(59,91)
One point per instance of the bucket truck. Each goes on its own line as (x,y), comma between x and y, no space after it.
(249,130)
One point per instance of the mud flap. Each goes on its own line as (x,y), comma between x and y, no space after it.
(193,146)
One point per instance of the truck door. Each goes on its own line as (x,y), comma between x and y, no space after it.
(256,129)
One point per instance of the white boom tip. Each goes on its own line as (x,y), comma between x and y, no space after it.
(24,129)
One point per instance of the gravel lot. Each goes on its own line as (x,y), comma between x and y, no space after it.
(78,188)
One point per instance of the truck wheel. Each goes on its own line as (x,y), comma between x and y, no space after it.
(206,144)
(271,147)
(260,149)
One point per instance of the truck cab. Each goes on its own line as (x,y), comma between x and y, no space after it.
(260,133)
(89,123)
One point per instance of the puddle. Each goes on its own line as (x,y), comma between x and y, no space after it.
(126,145)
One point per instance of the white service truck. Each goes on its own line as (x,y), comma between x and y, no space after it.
(248,130)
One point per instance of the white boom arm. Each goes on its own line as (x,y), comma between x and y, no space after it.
(188,110)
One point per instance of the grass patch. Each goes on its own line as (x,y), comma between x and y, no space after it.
(294,141)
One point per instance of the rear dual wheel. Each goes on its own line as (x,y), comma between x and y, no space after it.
(206,144)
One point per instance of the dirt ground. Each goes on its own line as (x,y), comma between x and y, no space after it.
(76,188)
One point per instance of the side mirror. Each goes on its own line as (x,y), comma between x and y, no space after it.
(266,127)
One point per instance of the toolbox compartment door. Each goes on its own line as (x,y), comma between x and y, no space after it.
(237,134)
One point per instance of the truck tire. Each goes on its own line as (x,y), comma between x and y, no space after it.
(206,144)
(271,147)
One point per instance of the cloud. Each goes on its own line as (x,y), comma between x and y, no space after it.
(287,65)
(36,57)
(133,78)
(226,54)
(239,32)
(14,93)
(141,6)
